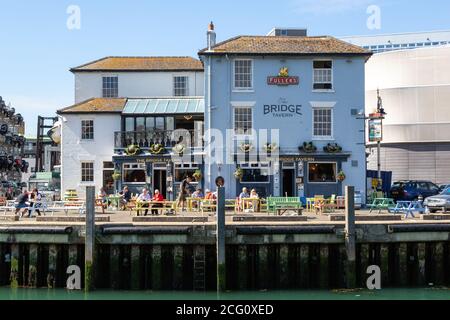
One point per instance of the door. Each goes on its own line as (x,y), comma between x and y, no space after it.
(288,182)
(108,181)
(160,181)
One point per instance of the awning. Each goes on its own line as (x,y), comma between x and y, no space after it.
(165,106)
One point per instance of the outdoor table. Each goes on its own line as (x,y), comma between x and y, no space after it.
(191,202)
(114,202)
(140,205)
(310,204)
(250,203)
(408,208)
(382,204)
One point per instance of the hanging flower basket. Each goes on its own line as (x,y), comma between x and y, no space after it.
(308,147)
(116,175)
(156,148)
(341,176)
(179,149)
(332,148)
(132,150)
(270,147)
(246,147)
(239,173)
(198,175)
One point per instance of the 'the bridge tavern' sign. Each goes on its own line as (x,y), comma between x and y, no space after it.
(283,79)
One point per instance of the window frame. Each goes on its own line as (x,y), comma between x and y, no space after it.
(144,168)
(239,135)
(256,166)
(105,89)
(83,170)
(186,88)
(322,138)
(332,76)
(243,89)
(83,138)
(322,162)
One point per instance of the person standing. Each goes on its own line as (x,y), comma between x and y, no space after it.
(184,193)
(34,199)
(22,202)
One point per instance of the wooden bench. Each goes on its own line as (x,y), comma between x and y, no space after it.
(381,204)
(162,208)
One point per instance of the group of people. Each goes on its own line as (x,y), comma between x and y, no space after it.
(27,201)
(252,204)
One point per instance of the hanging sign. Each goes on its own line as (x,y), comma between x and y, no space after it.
(283,79)
(375,130)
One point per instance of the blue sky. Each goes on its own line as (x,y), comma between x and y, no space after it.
(37,49)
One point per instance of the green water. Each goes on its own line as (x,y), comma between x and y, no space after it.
(387,294)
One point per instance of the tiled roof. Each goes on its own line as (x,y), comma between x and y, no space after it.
(142,64)
(96,105)
(270,45)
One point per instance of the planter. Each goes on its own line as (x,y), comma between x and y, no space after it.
(332,148)
(198,175)
(341,176)
(246,147)
(238,174)
(179,149)
(270,147)
(116,176)
(156,149)
(132,150)
(308,147)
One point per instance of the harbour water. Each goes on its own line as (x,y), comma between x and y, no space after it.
(385,294)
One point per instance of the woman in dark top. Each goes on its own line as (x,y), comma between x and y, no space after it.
(184,193)
(21,202)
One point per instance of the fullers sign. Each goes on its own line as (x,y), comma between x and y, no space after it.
(283,79)
(283,109)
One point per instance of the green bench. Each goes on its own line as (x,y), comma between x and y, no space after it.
(282,204)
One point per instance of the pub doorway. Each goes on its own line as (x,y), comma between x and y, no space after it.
(160,179)
(288,175)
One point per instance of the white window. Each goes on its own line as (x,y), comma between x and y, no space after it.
(323,75)
(87,129)
(110,87)
(180,86)
(243,74)
(134,173)
(322,123)
(243,121)
(87,172)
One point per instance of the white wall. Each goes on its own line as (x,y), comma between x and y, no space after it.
(74,151)
(136,84)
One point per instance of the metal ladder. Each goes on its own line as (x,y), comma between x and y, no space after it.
(199,268)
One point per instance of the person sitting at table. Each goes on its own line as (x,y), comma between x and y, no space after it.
(143,199)
(125,196)
(157,197)
(253,204)
(198,194)
(243,195)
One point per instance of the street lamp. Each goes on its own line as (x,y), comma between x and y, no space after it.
(376,130)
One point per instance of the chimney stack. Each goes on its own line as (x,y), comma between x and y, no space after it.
(211,36)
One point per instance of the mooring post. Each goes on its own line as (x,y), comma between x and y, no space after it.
(220,244)
(89,239)
(350,236)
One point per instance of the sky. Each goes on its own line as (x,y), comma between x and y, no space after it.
(37,48)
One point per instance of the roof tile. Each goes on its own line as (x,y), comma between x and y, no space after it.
(96,105)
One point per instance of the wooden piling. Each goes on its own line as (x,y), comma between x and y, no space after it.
(114,265)
(135,267)
(283,254)
(304,266)
(421,256)
(263,267)
(14,271)
(177,268)
(220,240)
(350,236)
(324,267)
(403,264)
(439,264)
(242,268)
(89,265)
(364,263)
(156,267)
(384,265)
(51,275)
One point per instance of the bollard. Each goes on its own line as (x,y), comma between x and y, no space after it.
(89,240)
(220,244)
(350,236)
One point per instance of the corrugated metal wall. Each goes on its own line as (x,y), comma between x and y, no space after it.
(414,161)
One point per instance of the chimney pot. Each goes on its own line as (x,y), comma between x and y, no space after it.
(211,26)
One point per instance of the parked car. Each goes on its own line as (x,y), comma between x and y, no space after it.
(412,190)
(439,202)
(443,187)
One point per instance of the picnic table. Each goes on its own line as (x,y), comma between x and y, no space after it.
(382,204)
(114,201)
(282,207)
(159,206)
(408,208)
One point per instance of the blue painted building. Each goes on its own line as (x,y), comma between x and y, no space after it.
(310,89)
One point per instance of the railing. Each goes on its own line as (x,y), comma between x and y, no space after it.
(145,139)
